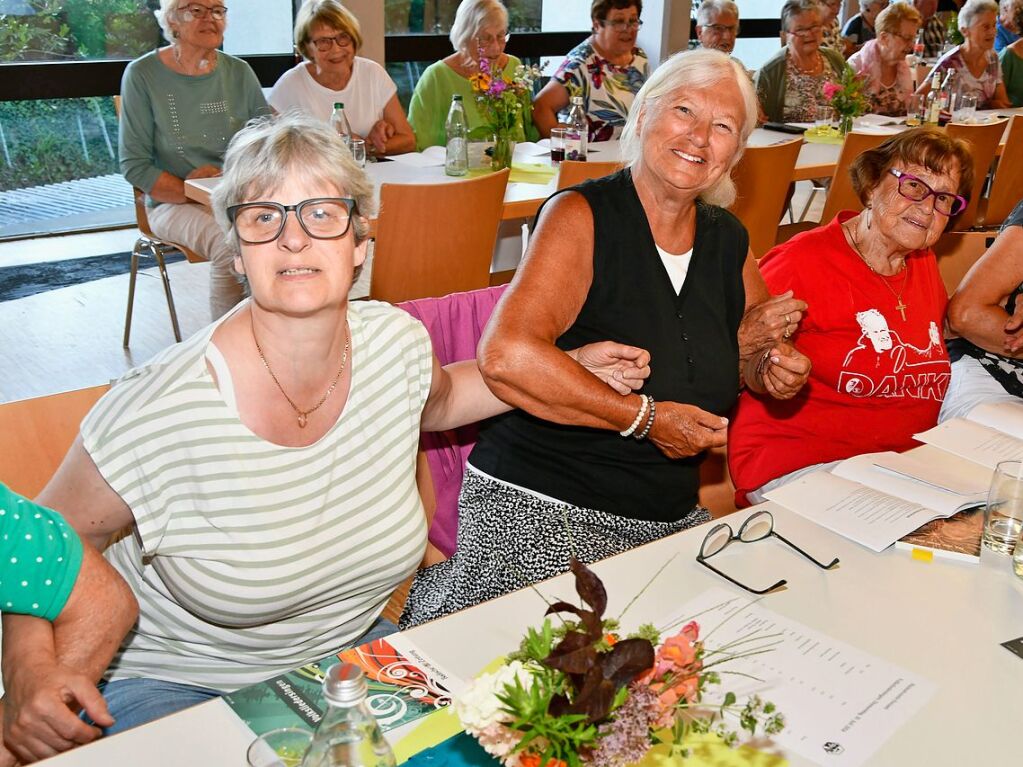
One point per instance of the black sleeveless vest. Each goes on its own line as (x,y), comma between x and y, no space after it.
(694,359)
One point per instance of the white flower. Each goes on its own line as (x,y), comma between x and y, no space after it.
(478,707)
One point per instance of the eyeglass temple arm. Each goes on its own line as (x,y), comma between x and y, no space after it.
(820,564)
(709,566)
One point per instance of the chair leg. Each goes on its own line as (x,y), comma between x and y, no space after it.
(158,254)
(131,291)
(809,200)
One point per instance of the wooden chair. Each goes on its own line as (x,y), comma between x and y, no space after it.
(1007,179)
(841,195)
(435,239)
(762,180)
(38,433)
(984,140)
(148,244)
(573,172)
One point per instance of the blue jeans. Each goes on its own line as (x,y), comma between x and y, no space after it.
(137,701)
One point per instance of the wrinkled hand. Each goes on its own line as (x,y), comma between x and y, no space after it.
(40,711)
(204,171)
(775,319)
(379,135)
(7,759)
(680,431)
(785,370)
(624,368)
(1013,342)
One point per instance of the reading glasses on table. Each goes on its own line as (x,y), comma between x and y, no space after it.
(756,527)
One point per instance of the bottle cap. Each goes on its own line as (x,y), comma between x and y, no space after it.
(577,100)
(338,105)
(456,97)
(344,684)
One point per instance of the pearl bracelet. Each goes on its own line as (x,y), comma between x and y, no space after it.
(650,422)
(639,416)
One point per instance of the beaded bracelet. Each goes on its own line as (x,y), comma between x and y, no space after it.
(639,416)
(650,421)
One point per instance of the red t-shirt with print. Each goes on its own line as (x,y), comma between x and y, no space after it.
(877,378)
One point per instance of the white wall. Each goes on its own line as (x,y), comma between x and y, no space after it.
(370,14)
(255,26)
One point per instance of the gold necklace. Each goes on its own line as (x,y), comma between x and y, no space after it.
(816,68)
(303,414)
(900,306)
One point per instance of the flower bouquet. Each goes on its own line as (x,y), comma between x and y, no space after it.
(847,97)
(503,102)
(583,694)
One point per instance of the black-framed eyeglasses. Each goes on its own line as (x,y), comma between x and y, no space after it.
(199,12)
(756,527)
(620,25)
(341,40)
(917,190)
(807,31)
(723,29)
(485,41)
(322,218)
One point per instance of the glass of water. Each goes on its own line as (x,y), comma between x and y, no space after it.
(284,747)
(966,109)
(358,147)
(1003,515)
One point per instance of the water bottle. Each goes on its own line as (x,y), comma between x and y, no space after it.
(932,108)
(339,122)
(456,161)
(577,131)
(348,735)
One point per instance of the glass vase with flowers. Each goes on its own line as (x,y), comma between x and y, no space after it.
(505,102)
(847,97)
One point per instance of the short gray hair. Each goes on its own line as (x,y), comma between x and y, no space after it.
(165,14)
(972,9)
(794,8)
(471,17)
(268,151)
(711,8)
(699,68)
(865,4)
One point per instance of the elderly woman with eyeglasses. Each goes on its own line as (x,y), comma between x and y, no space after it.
(180,106)
(975,61)
(606,70)
(873,325)
(789,84)
(328,37)
(265,467)
(882,61)
(480,30)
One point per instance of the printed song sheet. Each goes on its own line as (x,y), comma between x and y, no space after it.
(974,442)
(840,703)
(868,517)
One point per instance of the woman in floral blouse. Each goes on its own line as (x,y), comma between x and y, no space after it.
(883,60)
(606,69)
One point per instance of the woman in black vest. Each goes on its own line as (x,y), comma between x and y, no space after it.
(648,258)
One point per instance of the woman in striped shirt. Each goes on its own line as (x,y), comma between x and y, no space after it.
(266,466)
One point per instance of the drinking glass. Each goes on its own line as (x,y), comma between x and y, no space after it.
(358,147)
(283,747)
(1003,515)
(822,118)
(966,108)
(557,145)
(915,113)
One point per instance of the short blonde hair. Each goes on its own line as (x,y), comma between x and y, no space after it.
(268,151)
(471,17)
(699,68)
(890,19)
(330,13)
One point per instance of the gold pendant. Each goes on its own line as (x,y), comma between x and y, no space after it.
(301,420)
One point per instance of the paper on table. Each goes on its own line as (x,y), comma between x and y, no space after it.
(1007,417)
(944,472)
(974,442)
(896,475)
(530,149)
(840,703)
(868,517)
(429,157)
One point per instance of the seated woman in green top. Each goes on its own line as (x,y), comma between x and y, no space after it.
(1011,59)
(480,30)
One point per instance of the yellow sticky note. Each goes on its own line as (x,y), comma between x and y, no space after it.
(923,555)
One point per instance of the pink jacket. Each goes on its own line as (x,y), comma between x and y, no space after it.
(867,61)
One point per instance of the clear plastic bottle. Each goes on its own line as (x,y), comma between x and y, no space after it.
(339,122)
(932,109)
(348,735)
(577,131)
(456,161)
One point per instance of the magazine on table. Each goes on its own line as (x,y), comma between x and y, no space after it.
(404,685)
(958,537)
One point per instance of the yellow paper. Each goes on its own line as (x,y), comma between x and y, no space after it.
(531,173)
(710,751)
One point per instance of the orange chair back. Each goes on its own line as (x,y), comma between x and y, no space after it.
(762,179)
(984,140)
(841,195)
(573,172)
(1007,181)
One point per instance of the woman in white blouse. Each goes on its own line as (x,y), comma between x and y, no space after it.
(328,37)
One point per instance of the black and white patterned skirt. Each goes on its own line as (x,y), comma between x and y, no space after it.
(509,538)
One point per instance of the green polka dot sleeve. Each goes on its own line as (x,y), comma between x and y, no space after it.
(40,555)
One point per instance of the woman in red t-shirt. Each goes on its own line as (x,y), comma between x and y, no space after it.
(876,306)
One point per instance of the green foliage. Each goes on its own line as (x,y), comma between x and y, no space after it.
(557,737)
(535,645)
(43,35)
(88,20)
(952,32)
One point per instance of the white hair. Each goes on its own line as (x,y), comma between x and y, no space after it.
(709,10)
(699,68)
(165,14)
(471,17)
(972,9)
(268,151)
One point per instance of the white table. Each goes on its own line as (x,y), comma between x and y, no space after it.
(943,620)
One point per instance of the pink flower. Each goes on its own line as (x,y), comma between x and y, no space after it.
(675,675)
(830,89)
(498,86)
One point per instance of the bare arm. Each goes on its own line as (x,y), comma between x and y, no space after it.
(551,99)
(977,309)
(1000,99)
(402,139)
(170,188)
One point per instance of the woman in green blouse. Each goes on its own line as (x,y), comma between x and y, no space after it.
(480,29)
